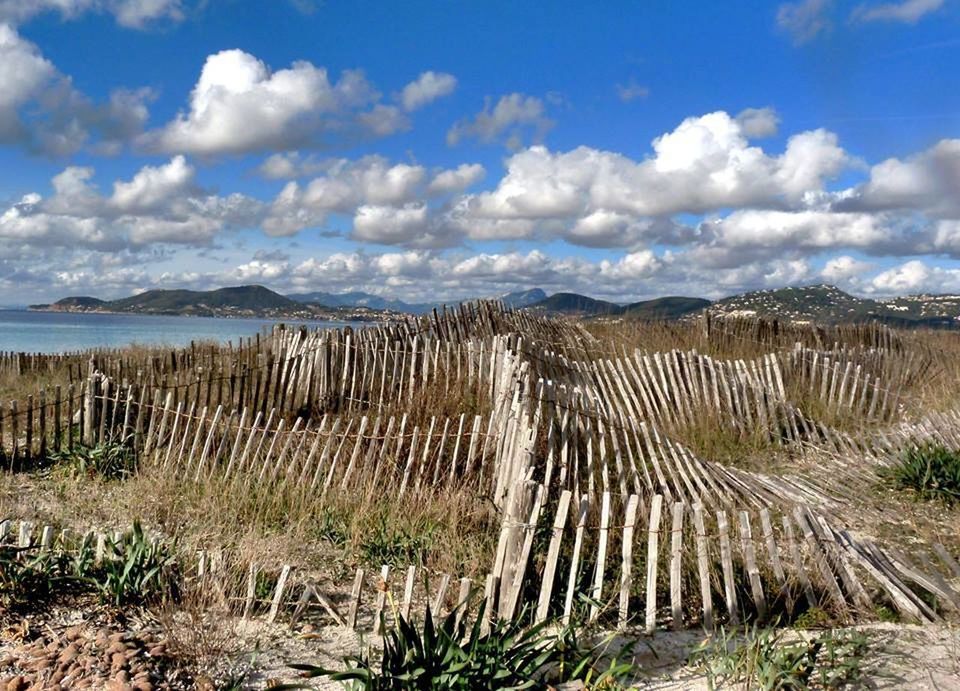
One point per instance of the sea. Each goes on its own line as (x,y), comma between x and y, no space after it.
(62,332)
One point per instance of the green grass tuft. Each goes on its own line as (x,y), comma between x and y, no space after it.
(932,471)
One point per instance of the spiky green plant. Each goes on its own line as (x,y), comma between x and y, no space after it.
(762,658)
(110,461)
(930,470)
(136,570)
(450,654)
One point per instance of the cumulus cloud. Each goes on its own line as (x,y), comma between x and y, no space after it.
(133,14)
(159,204)
(804,20)
(387,200)
(906,278)
(843,268)
(290,164)
(706,163)
(427,88)
(706,211)
(906,11)
(512,117)
(239,106)
(928,181)
(757,123)
(457,179)
(41,111)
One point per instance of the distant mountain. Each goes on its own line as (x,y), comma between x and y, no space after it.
(239,301)
(829,305)
(575,304)
(659,308)
(80,301)
(523,298)
(241,297)
(672,307)
(360,299)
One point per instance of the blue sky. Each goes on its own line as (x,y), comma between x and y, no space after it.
(444,150)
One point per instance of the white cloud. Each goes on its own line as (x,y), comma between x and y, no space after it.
(41,110)
(239,106)
(631,91)
(408,225)
(391,191)
(906,278)
(137,14)
(804,20)
(293,164)
(705,164)
(384,120)
(633,266)
(513,115)
(159,204)
(906,11)
(928,182)
(757,123)
(457,179)
(134,14)
(428,87)
(843,268)
(153,187)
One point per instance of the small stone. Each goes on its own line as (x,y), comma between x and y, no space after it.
(18,683)
(70,653)
(73,633)
(117,661)
(39,665)
(158,650)
(116,647)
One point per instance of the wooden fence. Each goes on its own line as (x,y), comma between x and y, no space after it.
(602,509)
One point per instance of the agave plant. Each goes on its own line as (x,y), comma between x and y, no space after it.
(449,655)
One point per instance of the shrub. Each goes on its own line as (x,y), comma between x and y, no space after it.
(394,544)
(450,655)
(444,656)
(930,470)
(591,663)
(137,570)
(134,571)
(110,461)
(23,578)
(762,658)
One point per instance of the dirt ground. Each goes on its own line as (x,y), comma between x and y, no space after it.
(902,656)
(67,648)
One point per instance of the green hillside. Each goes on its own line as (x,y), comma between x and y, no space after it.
(672,307)
(241,297)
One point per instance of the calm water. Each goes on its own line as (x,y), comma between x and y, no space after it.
(54,332)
